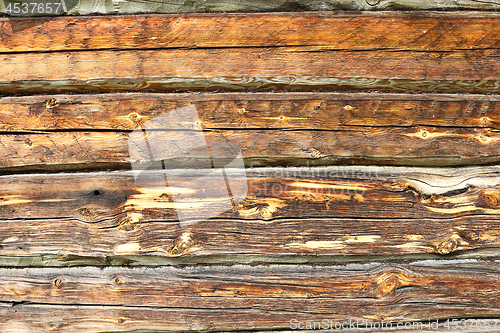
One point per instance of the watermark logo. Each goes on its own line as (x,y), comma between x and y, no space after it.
(202,175)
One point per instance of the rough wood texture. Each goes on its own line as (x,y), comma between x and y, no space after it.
(87,7)
(90,131)
(341,242)
(372,52)
(429,32)
(390,146)
(319,211)
(244,297)
(249,111)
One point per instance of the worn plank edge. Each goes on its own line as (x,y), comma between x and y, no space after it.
(55,260)
(87,7)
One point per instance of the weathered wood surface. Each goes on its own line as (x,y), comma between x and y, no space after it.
(245,297)
(392,146)
(249,111)
(395,216)
(330,31)
(93,131)
(87,7)
(317,211)
(371,52)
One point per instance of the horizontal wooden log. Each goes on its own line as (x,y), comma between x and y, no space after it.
(258,69)
(248,111)
(244,297)
(404,54)
(318,211)
(66,131)
(420,146)
(87,7)
(387,31)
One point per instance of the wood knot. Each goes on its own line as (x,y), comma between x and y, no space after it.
(373,2)
(51,103)
(488,199)
(265,212)
(57,283)
(242,110)
(178,249)
(348,107)
(127,226)
(447,246)
(134,116)
(181,245)
(84,211)
(315,153)
(117,281)
(121,320)
(388,284)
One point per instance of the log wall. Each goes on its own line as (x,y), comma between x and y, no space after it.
(369,144)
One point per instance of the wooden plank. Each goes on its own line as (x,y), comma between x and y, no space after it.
(249,111)
(391,146)
(386,31)
(88,7)
(90,131)
(245,297)
(424,64)
(250,68)
(318,211)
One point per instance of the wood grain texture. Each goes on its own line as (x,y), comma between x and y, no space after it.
(390,146)
(87,7)
(90,131)
(333,31)
(317,211)
(411,53)
(249,111)
(244,297)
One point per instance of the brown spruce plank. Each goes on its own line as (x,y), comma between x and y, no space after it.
(418,146)
(319,211)
(475,71)
(247,111)
(372,52)
(245,297)
(87,131)
(329,31)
